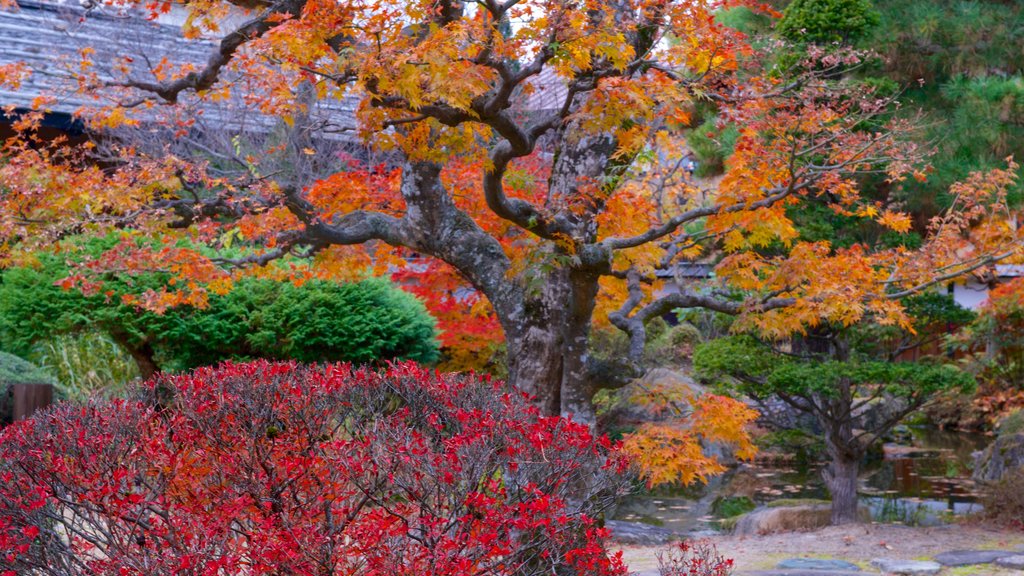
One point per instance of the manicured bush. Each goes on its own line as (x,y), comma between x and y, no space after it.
(267,468)
(16,370)
(827,20)
(318,320)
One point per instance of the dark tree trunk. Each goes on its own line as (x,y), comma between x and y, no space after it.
(841,480)
(548,344)
(142,353)
(844,448)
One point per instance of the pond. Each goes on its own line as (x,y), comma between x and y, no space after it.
(922,481)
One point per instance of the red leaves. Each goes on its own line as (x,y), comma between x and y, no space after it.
(277,468)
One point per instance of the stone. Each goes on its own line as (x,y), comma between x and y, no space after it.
(639,533)
(1004,455)
(801,573)
(970,557)
(873,415)
(1015,562)
(819,564)
(770,520)
(906,567)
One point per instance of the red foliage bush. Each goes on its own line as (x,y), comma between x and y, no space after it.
(280,469)
(694,558)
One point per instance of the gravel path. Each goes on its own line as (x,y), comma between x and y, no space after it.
(858,544)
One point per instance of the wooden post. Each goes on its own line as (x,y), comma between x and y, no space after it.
(21,401)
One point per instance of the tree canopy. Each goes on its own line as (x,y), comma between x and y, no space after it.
(534,148)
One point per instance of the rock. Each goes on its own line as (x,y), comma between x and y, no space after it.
(1004,455)
(818,564)
(768,520)
(969,557)
(1012,562)
(874,415)
(776,414)
(906,567)
(639,533)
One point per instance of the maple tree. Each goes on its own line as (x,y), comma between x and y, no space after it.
(556,214)
(266,468)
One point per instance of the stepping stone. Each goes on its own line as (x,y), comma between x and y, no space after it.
(969,557)
(819,564)
(800,573)
(1012,562)
(906,567)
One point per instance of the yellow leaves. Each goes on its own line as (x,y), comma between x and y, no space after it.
(674,451)
(664,454)
(895,221)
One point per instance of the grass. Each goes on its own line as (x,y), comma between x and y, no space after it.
(86,364)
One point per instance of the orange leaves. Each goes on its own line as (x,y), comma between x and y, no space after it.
(675,451)
(13,74)
(895,221)
(665,454)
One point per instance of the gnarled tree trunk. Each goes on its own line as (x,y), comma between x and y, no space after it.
(548,341)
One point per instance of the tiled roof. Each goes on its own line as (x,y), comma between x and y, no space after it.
(49,37)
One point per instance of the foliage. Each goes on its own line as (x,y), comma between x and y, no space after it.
(761,372)
(826,21)
(551,217)
(712,144)
(672,450)
(315,321)
(693,558)
(86,364)
(959,64)
(938,40)
(15,370)
(268,468)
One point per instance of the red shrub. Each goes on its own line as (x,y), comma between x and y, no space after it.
(694,558)
(268,468)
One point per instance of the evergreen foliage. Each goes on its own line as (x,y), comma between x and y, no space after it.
(824,21)
(259,318)
(16,370)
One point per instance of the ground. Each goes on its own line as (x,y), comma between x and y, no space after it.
(858,544)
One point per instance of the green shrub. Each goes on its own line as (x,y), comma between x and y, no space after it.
(358,322)
(16,370)
(824,21)
(259,318)
(729,506)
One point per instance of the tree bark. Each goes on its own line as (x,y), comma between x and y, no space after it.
(548,342)
(841,480)
(143,355)
(843,446)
